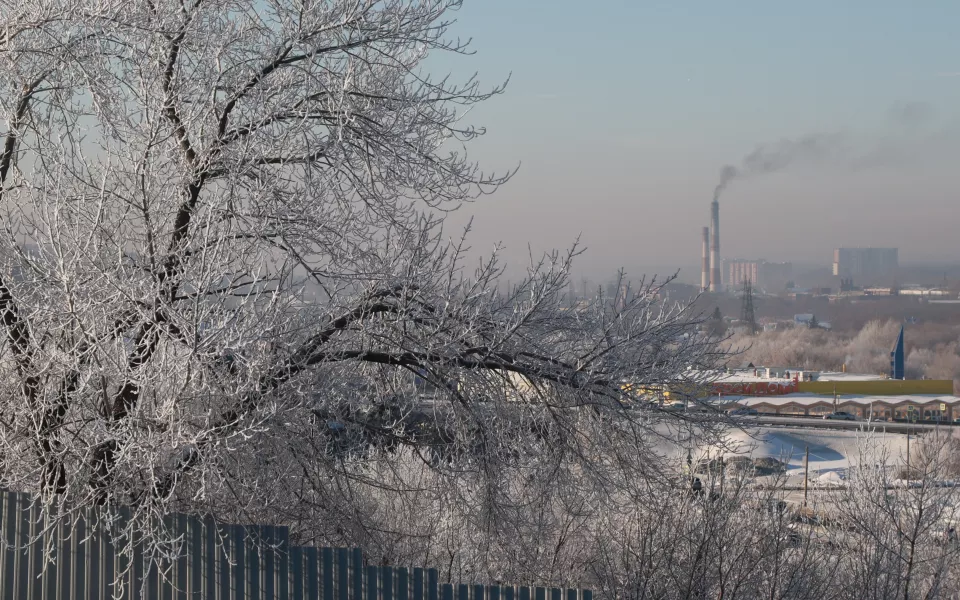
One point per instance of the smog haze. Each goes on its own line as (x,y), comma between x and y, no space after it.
(835,125)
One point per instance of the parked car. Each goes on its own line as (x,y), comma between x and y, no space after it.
(744,412)
(840,416)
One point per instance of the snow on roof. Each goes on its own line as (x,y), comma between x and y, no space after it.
(740,377)
(836,376)
(813,399)
(749,376)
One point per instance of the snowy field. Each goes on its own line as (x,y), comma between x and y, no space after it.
(829,449)
(832,452)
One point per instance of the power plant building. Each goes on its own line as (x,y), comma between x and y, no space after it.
(864,263)
(760,273)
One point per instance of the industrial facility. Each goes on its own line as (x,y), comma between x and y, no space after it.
(711,281)
(849,264)
(714,271)
(715,281)
(758,273)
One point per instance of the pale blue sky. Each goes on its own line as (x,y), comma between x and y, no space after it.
(622,114)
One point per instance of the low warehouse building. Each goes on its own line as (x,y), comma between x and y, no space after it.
(879,408)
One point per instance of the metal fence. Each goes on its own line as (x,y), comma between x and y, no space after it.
(91,557)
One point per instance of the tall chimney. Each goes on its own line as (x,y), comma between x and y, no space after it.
(715,246)
(705,264)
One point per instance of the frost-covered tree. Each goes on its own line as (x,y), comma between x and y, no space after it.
(226,282)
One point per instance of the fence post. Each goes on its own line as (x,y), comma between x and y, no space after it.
(94,558)
(50,546)
(254,540)
(357,574)
(78,555)
(433,577)
(108,553)
(343,574)
(312,570)
(327,554)
(123,561)
(8,503)
(386,583)
(418,584)
(181,565)
(268,563)
(22,548)
(282,540)
(223,554)
(296,572)
(372,583)
(193,536)
(35,555)
(167,572)
(238,556)
(403,585)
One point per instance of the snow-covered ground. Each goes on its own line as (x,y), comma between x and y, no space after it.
(832,452)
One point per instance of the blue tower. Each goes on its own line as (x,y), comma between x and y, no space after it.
(896,358)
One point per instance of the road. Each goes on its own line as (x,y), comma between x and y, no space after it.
(888,426)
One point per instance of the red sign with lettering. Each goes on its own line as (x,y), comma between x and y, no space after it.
(755,388)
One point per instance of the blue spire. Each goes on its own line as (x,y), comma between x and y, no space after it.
(896,358)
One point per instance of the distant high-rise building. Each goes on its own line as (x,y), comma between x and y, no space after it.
(863,263)
(759,273)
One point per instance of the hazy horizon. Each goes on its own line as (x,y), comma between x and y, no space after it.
(624,147)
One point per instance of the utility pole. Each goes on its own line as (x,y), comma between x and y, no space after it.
(723,472)
(908,457)
(746,313)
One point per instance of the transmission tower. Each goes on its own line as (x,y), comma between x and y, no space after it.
(746,314)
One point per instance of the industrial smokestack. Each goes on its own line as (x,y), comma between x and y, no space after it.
(705,264)
(715,246)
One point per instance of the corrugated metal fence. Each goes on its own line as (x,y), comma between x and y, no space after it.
(86,558)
